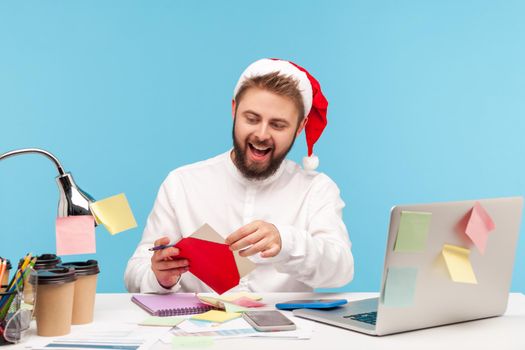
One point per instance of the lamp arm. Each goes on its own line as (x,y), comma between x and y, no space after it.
(38,151)
(72,200)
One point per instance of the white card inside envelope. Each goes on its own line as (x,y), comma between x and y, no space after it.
(206,232)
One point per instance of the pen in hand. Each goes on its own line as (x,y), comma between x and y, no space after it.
(162,246)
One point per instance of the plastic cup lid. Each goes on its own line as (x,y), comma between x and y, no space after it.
(83,268)
(44,261)
(58,275)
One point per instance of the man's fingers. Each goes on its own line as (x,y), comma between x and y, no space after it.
(179,270)
(168,265)
(270,252)
(254,249)
(161,241)
(165,254)
(247,241)
(168,278)
(242,232)
(169,252)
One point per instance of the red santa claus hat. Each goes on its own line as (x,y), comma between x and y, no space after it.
(315,104)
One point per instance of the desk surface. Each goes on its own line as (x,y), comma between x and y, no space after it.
(505,332)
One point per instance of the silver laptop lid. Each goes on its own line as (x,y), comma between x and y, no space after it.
(420,291)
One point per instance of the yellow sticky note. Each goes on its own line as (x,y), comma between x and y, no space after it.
(216,316)
(235,296)
(211,301)
(458,264)
(115,213)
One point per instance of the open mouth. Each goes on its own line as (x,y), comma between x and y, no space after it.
(259,152)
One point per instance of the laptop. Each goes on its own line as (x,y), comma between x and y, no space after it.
(420,291)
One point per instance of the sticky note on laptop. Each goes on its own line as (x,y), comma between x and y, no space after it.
(478,227)
(413,231)
(458,264)
(400,286)
(114,213)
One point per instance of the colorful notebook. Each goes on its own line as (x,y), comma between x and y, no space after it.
(171,304)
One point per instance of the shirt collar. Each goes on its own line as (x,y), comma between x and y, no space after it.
(234,171)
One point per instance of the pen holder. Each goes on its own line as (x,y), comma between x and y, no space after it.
(16,320)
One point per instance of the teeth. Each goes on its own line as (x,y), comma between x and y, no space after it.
(260,148)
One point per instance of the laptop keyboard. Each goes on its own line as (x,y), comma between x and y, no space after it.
(367,317)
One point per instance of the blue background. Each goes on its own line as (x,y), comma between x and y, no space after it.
(426,104)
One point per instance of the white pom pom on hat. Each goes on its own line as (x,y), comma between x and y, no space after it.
(315,104)
(310,162)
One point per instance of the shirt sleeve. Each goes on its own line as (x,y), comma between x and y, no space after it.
(139,276)
(320,255)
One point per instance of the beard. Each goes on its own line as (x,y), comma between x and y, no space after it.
(252,170)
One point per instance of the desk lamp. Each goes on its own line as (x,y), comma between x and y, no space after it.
(73,201)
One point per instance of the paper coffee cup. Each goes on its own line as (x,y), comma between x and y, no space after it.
(85,290)
(54,301)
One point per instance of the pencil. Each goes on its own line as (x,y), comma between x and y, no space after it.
(2,271)
(27,260)
(16,276)
(16,283)
(3,267)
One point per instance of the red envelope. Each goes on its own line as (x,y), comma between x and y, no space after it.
(213,263)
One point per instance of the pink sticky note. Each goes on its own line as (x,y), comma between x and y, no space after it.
(478,227)
(247,302)
(75,235)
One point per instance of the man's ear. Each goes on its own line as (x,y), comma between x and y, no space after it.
(233,108)
(301,126)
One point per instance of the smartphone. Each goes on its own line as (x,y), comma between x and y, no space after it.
(269,321)
(311,304)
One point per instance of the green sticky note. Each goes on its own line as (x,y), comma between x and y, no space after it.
(191,341)
(412,232)
(400,286)
(216,316)
(170,321)
(229,307)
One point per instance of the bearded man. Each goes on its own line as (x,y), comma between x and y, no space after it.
(286,219)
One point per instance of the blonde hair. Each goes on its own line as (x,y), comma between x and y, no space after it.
(278,84)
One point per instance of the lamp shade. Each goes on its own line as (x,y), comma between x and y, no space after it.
(72,200)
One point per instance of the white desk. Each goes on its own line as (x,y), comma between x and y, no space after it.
(506,332)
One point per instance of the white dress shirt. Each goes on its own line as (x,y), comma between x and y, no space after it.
(305,206)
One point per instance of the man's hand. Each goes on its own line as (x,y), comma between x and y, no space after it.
(166,266)
(259,236)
